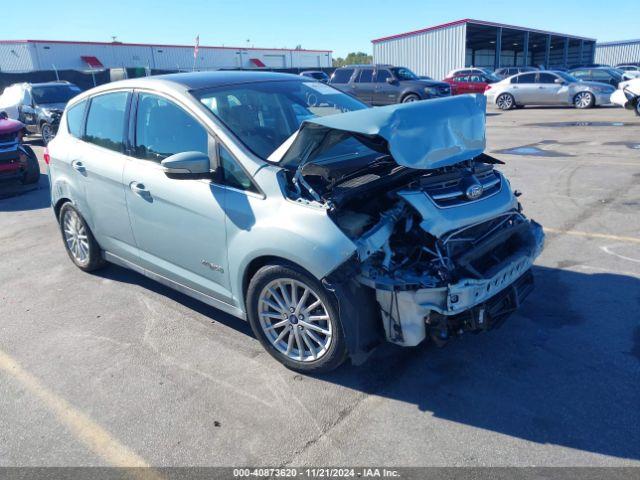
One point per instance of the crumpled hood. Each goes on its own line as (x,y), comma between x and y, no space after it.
(422,135)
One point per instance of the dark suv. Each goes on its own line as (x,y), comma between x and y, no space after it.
(38,105)
(385,84)
(598,74)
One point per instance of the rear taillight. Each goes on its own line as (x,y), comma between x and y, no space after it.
(47,157)
(487,87)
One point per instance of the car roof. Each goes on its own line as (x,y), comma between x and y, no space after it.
(191,81)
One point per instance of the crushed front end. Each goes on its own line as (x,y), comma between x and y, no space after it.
(13,158)
(440,239)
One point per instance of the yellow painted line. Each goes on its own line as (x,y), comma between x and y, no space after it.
(92,435)
(604,236)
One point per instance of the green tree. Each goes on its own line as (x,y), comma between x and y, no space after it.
(353,58)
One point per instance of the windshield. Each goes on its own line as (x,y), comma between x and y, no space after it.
(402,73)
(263,115)
(317,75)
(54,94)
(616,73)
(566,77)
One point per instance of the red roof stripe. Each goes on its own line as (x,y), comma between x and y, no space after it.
(122,44)
(479,22)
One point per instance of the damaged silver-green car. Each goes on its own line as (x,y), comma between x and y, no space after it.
(331,226)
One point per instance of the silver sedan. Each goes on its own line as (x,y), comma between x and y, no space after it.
(547,88)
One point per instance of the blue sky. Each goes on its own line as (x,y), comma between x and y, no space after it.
(341,26)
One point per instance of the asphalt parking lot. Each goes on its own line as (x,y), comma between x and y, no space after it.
(114,369)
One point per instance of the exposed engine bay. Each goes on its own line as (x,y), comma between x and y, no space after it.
(437,246)
(439,235)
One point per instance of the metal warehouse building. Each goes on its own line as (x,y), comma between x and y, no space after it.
(20,56)
(434,51)
(616,53)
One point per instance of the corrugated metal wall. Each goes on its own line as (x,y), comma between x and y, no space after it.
(33,56)
(432,53)
(618,52)
(17,57)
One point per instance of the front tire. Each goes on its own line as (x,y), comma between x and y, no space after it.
(584,100)
(46,130)
(505,101)
(81,246)
(411,97)
(296,319)
(637,108)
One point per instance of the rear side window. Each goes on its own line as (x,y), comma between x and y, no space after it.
(163,129)
(546,78)
(526,78)
(366,76)
(342,75)
(75,118)
(106,119)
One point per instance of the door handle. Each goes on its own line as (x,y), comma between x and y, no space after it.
(515,88)
(138,188)
(78,166)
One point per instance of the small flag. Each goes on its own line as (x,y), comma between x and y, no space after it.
(195,49)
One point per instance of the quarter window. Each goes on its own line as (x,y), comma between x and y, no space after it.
(342,75)
(163,129)
(232,173)
(75,117)
(106,120)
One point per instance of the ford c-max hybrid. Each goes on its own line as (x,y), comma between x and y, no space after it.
(329,225)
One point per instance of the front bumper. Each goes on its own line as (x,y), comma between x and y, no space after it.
(407,315)
(603,98)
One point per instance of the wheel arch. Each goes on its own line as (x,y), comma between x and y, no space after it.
(262,261)
(406,93)
(58,205)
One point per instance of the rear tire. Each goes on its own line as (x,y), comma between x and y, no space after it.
(81,245)
(637,107)
(32,173)
(584,100)
(505,101)
(296,319)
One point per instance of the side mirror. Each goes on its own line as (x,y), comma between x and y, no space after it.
(187,165)
(391,81)
(559,81)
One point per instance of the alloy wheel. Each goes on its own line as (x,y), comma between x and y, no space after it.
(75,236)
(504,102)
(47,133)
(294,320)
(583,100)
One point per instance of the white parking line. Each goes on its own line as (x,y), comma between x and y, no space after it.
(605,236)
(92,435)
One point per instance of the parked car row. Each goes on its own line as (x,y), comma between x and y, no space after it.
(548,87)
(38,105)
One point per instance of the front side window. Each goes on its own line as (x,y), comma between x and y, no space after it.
(402,73)
(342,75)
(580,74)
(75,117)
(262,115)
(232,173)
(106,120)
(366,76)
(164,129)
(382,75)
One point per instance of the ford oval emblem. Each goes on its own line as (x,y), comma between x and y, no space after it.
(474,191)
